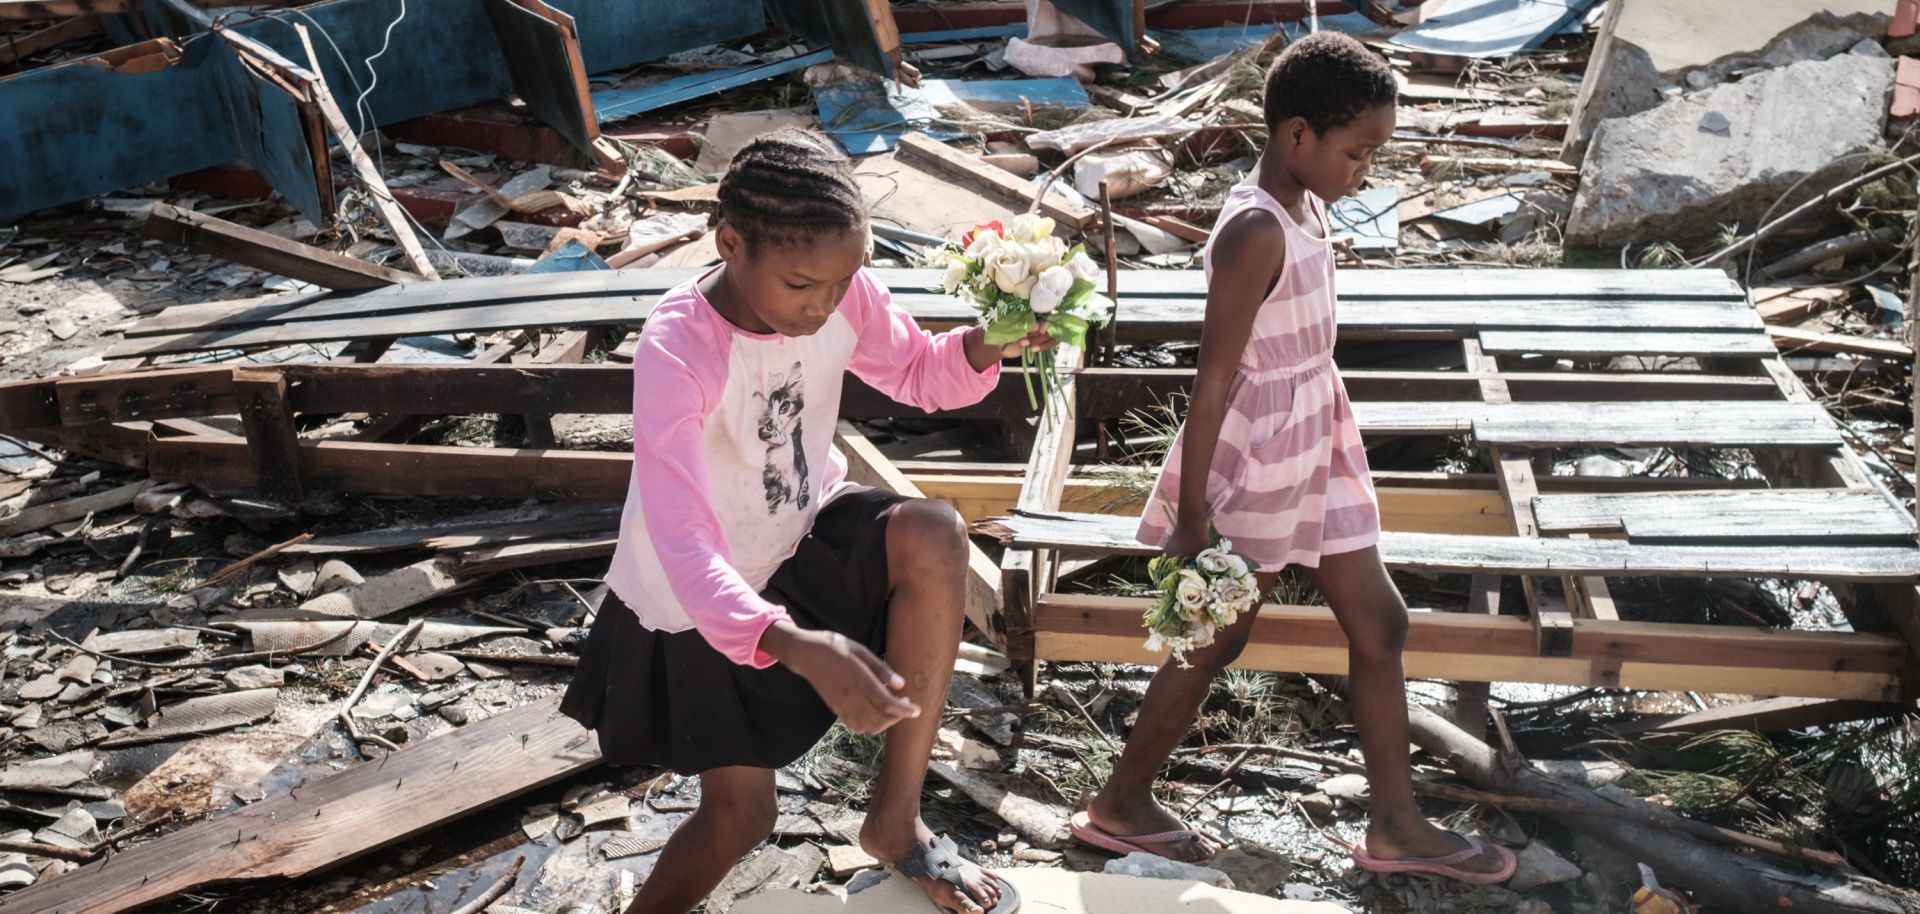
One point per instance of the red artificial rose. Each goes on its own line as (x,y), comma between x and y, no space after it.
(966,240)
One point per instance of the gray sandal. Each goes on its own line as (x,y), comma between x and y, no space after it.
(942,861)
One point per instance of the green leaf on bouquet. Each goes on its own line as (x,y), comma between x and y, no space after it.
(1008,325)
(1161,566)
(1067,329)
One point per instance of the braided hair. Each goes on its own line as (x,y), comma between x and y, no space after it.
(1329,79)
(788,187)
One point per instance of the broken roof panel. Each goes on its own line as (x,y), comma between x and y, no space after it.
(1491,28)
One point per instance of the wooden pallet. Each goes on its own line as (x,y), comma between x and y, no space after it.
(1520,364)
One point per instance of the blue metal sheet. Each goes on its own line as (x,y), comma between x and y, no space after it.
(83,128)
(1491,28)
(613,104)
(273,134)
(1372,217)
(443,55)
(871,117)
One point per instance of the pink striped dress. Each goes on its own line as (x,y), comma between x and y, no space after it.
(1289,480)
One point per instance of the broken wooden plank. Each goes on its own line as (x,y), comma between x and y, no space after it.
(20,47)
(394,469)
(1467,646)
(1776,515)
(40,517)
(608,389)
(1465,554)
(1650,424)
(1767,715)
(1781,304)
(481,562)
(265,251)
(332,820)
(395,218)
(1624,342)
(1794,339)
(923,150)
(273,441)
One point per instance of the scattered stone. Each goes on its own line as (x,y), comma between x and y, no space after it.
(844,860)
(437,667)
(62,327)
(433,700)
(483,670)
(1347,788)
(1253,869)
(1153,866)
(1533,906)
(1318,805)
(1540,866)
(795,825)
(256,676)
(1655,176)
(1036,855)
(383,702)
(460,713)
(299,577)
(28,718)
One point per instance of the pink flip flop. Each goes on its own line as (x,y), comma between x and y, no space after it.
(1084,831)
(1448,866)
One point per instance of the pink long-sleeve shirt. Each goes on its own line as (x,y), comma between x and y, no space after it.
(733,450)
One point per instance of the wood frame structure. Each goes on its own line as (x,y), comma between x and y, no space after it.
(1521,364)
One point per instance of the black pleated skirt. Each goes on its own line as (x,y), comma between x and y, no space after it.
(669,699)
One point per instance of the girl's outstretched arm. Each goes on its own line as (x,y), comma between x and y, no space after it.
(1248,254)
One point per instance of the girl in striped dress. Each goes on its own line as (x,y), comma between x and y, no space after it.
(1271,457)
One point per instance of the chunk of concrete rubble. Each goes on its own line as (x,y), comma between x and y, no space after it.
(1540,866)
(1348,788)
(1154,866)
(256,676)
(1699,43)
(1253,869)
(1659,175)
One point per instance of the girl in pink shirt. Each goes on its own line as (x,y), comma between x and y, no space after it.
(756,595)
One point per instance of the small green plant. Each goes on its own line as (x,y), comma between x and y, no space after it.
(1661,255)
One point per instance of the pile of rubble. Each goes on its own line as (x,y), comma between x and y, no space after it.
(177,666)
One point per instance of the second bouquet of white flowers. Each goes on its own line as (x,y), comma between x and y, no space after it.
(1195,598)
(1023,277)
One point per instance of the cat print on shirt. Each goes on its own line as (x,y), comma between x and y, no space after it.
(785,473)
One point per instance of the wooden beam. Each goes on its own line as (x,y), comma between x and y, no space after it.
(1769,715)
(1793,339)
(272,440)
(333,820)
(1552,618)
(920,150)
(1026,574)
(40,517)
(1108,534)
(1647,655)
(264,251)
(392,469)
(17,48)
(868,467)
(395,218)
(1413,508)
